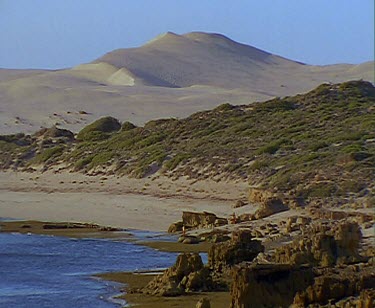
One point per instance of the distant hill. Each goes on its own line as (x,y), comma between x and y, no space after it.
(172,60)
(170,76)
(317,145)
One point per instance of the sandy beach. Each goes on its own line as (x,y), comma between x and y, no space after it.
(147,204)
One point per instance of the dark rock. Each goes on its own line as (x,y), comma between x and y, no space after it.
(175,227)
(55,226)
(268,285)
(190,240)
(219,238)
(203,303)
(241,248)
(216,236)
(334,284)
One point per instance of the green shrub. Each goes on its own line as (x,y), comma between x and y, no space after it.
(83,162)
(350,186)
(101,159)
(104,125)
(175,161)
(270,148)
(127,126)
(48,154)
(258,165)
(320,190)
(95,136)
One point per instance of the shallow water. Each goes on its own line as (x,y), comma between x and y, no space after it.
(46,271)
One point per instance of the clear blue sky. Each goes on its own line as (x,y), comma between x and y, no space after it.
(64,33)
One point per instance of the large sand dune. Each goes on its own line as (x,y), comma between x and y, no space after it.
(170,76)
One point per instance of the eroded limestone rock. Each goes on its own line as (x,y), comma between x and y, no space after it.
(188,274)
(240,248)
(268,285)
(195,220)
(323,245)
(175,227)
(333,284)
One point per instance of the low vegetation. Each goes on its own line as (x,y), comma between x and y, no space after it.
(320,144)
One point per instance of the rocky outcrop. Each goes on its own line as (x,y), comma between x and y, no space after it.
(175,227)
(366,299)
(285,285)
(269,203)
(258,195)
(321,213)
(188,274)
(333,284)
(269,207)
(323,245)
(195,220)
(240,248)
(268,285)
(216,236)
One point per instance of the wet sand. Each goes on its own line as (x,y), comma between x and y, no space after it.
(139,280)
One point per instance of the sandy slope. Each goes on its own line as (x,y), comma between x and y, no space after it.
(170,76)
(147,204)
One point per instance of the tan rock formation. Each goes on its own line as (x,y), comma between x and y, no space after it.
(188,274)
(334,284)
(323,245)
(270,203)
(175,227)
(269,207)
(321,213)
(258,195)
(194,220)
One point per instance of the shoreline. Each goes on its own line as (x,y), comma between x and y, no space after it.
(80,230)
(134,280)
(128,279)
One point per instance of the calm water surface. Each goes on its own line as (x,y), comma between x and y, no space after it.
(46,271)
